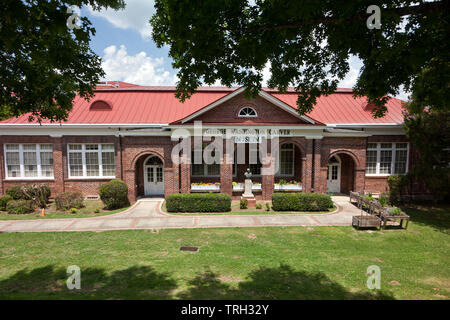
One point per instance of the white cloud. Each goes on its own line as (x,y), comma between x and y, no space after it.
(136,16)
(350,78)
(139,69)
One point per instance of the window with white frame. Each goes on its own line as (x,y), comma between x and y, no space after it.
(247,112)
(286,160)
(29,161)
(91,161)
(386,158)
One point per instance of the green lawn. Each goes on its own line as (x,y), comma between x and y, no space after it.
(236,210)
(233,263)
(88,211)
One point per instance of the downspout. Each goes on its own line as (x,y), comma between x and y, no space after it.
(313,166)
(121,158)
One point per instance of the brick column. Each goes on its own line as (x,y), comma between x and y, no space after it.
(2,169)
(185,175)
(58,165)
(360,175)
(267,177)
(130,180)
(320,170)
(307,184)
(226,174)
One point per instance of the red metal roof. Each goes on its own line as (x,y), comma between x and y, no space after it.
(158,105)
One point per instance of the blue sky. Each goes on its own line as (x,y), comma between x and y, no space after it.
(123,40)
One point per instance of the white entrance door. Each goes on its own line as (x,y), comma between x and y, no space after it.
(153,180)
(334,175)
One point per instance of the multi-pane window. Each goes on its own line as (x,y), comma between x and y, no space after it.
(29,161)
(386,158)
(371,158)
(91,160)
(204,169)
(286,160)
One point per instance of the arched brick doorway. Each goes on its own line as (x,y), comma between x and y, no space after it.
(341,172)
(149,176)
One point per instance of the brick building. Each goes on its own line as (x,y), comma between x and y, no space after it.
(127,132)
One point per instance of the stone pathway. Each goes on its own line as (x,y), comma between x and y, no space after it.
(145,214)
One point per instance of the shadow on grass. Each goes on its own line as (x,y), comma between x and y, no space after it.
(145,282)
(282,282)
(137,282)
(437,217)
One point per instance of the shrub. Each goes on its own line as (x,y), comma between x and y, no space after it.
(73,210)
(267,206)
(4,201)
(114,194)
(258,206)
(396,184)
(395,211)
(198,202)
(97,210)
(39,193)
(20,206)
(69,199)
(15,192)
(243,204)
(301,202)
(383,200)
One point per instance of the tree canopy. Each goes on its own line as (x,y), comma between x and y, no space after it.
(44,63)
(308,43)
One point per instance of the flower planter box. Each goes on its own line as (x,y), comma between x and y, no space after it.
(288,187)
(240,187)
(205,188)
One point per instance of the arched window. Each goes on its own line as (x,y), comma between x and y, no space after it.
(247,112)
(154,160)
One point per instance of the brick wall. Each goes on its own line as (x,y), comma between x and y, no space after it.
(311,157)
(267,112)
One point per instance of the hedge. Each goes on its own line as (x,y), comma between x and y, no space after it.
(20,206)
(114,194)
(198,202)
(301,202)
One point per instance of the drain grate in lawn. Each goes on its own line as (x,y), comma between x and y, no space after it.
(187,248)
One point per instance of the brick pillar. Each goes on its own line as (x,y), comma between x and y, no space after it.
(58,165)
(2,169)
(226,174)
(320,180)
(307,184)
(130,180)
(267,177)
(185,175)
(360,175)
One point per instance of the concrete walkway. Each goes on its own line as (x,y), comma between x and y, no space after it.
(146,214)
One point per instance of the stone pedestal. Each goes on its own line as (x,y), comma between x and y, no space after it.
(251,201)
